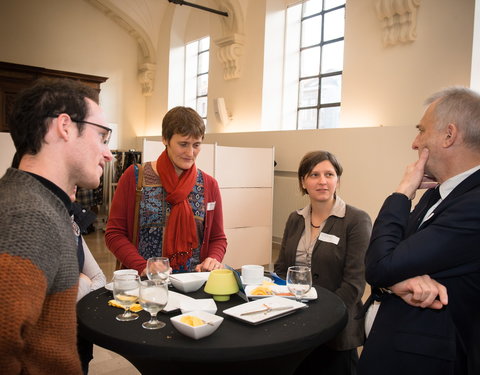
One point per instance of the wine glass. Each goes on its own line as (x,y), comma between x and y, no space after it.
(125,291)
(299,281)
(158,268)
(153,298)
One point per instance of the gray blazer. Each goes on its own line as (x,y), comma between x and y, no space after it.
(339,268)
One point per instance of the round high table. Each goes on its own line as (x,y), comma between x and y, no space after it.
(236,347)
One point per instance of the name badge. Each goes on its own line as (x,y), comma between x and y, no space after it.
(211,206)
(325,237)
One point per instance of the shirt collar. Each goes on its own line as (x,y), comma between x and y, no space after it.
(338,209)
(55,190)
(447,187)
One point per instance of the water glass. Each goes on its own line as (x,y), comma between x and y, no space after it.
(158,269)
(125,292)
(299,281)
(153,298)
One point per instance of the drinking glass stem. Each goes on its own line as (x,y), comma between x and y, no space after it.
(153,318)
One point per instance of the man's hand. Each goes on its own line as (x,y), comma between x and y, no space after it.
(208,264)
(414,176)
(422,291)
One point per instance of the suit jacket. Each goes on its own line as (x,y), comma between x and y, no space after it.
(336,267)
(406,339)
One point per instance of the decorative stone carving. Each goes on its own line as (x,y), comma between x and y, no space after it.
(146,77)
(230,51)
(399,20)
(231,44)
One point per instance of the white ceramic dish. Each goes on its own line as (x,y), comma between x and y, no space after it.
(203,304)
(174,301)
(265,279)
(311,294)
(188,282)
(212,323)
(255,312)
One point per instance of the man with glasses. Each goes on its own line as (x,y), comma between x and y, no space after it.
(61,141)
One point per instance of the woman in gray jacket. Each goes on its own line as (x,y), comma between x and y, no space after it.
(331,237)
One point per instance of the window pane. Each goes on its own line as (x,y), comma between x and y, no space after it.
(311,31)
(307,118)
(329,4)
(332,57)
(204,44)
(334,24)
(203,60)
(331,91)
(202,106)
(308,95)
(311,7)
(310,62)
(329,117)
(202,85)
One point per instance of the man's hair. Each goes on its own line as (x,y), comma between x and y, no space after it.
(184,121)
(459,106)
(30,117)
(310,160)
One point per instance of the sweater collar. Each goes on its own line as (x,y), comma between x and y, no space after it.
(55,190)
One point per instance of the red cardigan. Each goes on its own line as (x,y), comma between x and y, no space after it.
(119,232)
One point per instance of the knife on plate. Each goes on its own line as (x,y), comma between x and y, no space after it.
(266,310)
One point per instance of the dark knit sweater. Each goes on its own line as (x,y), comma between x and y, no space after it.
(38,279)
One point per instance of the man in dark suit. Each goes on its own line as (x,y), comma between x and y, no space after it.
(424,266)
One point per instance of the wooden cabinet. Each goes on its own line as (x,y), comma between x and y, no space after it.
(15,77)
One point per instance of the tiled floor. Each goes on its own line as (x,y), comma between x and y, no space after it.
(104,361)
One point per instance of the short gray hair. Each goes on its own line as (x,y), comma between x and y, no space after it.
(459,106)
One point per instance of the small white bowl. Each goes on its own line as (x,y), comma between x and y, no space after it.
(202,304)
(212,323)
(187,282)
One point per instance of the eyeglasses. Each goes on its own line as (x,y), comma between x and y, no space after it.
(105,137)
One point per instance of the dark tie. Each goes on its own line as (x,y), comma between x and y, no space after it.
(430,198)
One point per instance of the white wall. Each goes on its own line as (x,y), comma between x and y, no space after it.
(8,150)
(387,85)
(374,160)
(73,35)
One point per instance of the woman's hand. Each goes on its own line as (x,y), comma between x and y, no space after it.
(208,264)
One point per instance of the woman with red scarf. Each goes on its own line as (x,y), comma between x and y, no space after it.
(180,213)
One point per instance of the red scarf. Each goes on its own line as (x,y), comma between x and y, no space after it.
(180,236)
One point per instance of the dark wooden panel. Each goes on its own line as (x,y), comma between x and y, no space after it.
(15,77)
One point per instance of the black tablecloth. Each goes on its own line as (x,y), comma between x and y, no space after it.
(235,347)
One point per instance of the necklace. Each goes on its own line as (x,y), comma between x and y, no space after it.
(314,226)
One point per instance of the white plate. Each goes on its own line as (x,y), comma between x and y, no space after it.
(174,301)
(265,279)
(311,294)
(202,304)
(289,306)
(109,286)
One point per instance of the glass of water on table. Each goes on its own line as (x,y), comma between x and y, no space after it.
(125,292)
(299,281)
(153,298)
(158,269)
